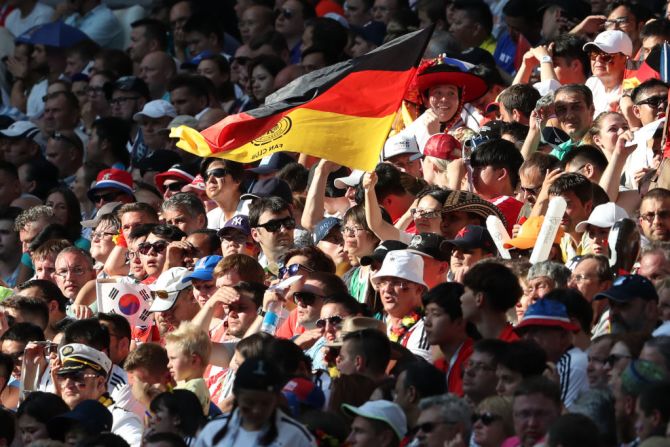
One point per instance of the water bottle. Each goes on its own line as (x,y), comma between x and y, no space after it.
(274,317)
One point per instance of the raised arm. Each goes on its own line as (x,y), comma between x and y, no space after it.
(373,214)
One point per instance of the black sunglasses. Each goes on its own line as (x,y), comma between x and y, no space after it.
(275,224)
(306,298)
(106,197)
(486,418)
(335,320)
(158,246)
(654,101)
(218,173)
(292,270)
(174,187)
(286,13)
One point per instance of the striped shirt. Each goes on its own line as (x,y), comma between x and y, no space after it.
(571,369)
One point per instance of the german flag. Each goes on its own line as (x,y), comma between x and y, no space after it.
(342,113)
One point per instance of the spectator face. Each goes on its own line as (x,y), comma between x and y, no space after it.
(237,242)
(508,381)
(358,241)
(57,203)
(440,328)
(46,268)
(551,340)
(179,15)
(38,58)
(461,258)
(655,219)
(74,64)
(539,287)
(462,27)
(330,323)
(162,421)
(219,187)
(96,95)
(273,242)
(585,279)
(77,387)
(616,362)
(651,104)
(262,83)
(648,43)
(290,22)
(356,13)
(19,151)
(313,61)
(361,47)
(608,134)
(210,69)
(10,244)
(382,10)
(125,104)
(203,290)
(443,101)
(646,425)
(363,433)
(256,407)
(253,23)
(664,303)
(184,309)
(240,316)
(63,155)
(479,377)
(636,315)
(347,362)
(131,220)
(574,116)
(29,232)
(238,66)
(607,67)
(152,254)
(309,300)
(106,195)
(333,246)
(595,370)
(199,42)
(576,212)
(30,429)
(530,181)
(14,349)
(533,414)
(398,296)
(186,103)
(101,241)
(139,44)
(434,430)
(153,138)
(622,19)
(183,220)
(489,428)
(136,266)
(73,270)
(403,163)
(58,115)
(598,239)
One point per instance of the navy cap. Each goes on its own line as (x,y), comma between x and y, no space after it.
(236,223)
(430,244)
(258,374)
(626,288)
(272,163)
(127,84)
(195,60)
(471,237)
(323,228)
(91,415)
(269,187)
(372,31)
(380,252)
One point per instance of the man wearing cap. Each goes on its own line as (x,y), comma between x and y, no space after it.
(173,180)
(236,237)
(472,244)
(202,278)
(82,375)
(22,143)
(154,117)
(174,300)
(377,423)
(112,185)
(546,322)
(402,151)
(633,303)
(400,284)
(65,151)
(597,227)
(608,53)
(434,250)
(349,183)
(327,236)
(185,211)
(367,37)
(127,96)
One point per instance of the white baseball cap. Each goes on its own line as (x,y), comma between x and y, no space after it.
(352,180)
(21,129)
(156,109)
(612,41)
(400,144)
(381,410)
(603,216)
(167,287)
(402,264)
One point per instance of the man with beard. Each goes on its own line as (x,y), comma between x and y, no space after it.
(655,215)
(633,302)
(173,300)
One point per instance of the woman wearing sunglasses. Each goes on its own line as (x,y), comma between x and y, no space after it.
(492,422)
(224,181)
(152,251)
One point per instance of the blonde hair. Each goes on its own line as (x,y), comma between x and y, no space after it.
(191,339)
(502,407)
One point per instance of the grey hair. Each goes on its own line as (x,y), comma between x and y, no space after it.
(78,251)
(660,247)
(33,214)
(559,273)
(453,409)
(662,345)
(185,202)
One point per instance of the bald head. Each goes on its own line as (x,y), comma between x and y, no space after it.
(156,69)
(256,20)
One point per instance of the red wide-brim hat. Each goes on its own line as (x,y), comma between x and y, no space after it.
(472,86)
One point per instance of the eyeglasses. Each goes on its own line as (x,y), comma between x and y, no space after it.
(60,137)
(130,255)
(292,270)
(421,213)
(335,320)
(218,173)
(660,215)
(122,99)
(94,90)
(174,187)
(654,101)
(101,234)
(274,225)
(352,231)
(612,359)
(486,418)
(579,278)
(286,13)
(393,283)
(76,271)
(604,57)
(106,197)
(615,22)
(306,298)
(238,239)
(145,247)
(428,427)
(79,377)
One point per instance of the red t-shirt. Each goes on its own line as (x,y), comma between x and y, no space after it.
(455,375)
(510,207)
(290,328)
(508,334)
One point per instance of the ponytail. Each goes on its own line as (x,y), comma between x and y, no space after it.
(218,436)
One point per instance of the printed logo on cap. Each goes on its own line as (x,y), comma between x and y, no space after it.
(237,221)
(67,350)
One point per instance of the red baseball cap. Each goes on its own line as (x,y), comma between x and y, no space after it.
(443,146)
(115,179)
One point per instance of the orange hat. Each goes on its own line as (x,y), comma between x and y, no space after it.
(528,234)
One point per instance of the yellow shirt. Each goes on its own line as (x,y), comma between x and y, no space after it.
(199,388)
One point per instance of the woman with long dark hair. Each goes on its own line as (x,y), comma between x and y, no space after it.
(67,212)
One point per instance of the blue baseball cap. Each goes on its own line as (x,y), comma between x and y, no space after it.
(546,313)
(195,60)
(626,288)
(323,228)
(203,269)
(236,223)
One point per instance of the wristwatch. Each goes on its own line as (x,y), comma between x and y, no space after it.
(261,312)
(546,59)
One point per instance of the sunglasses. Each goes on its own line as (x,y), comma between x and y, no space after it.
(605,57)
(286,13)
(218,173)
(238,239)
(654,101)
(158,247)
(292,270)
(107,197)
(306,298)
(274,225)
(418,213)
(174,187)
(335,320)
(428,427)
(486,418)
(614,358)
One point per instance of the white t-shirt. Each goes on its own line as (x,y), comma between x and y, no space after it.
(35,104)
(216,220)
(601,98)
(18,25)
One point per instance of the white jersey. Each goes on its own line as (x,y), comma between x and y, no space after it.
(571,369)
(290,433)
